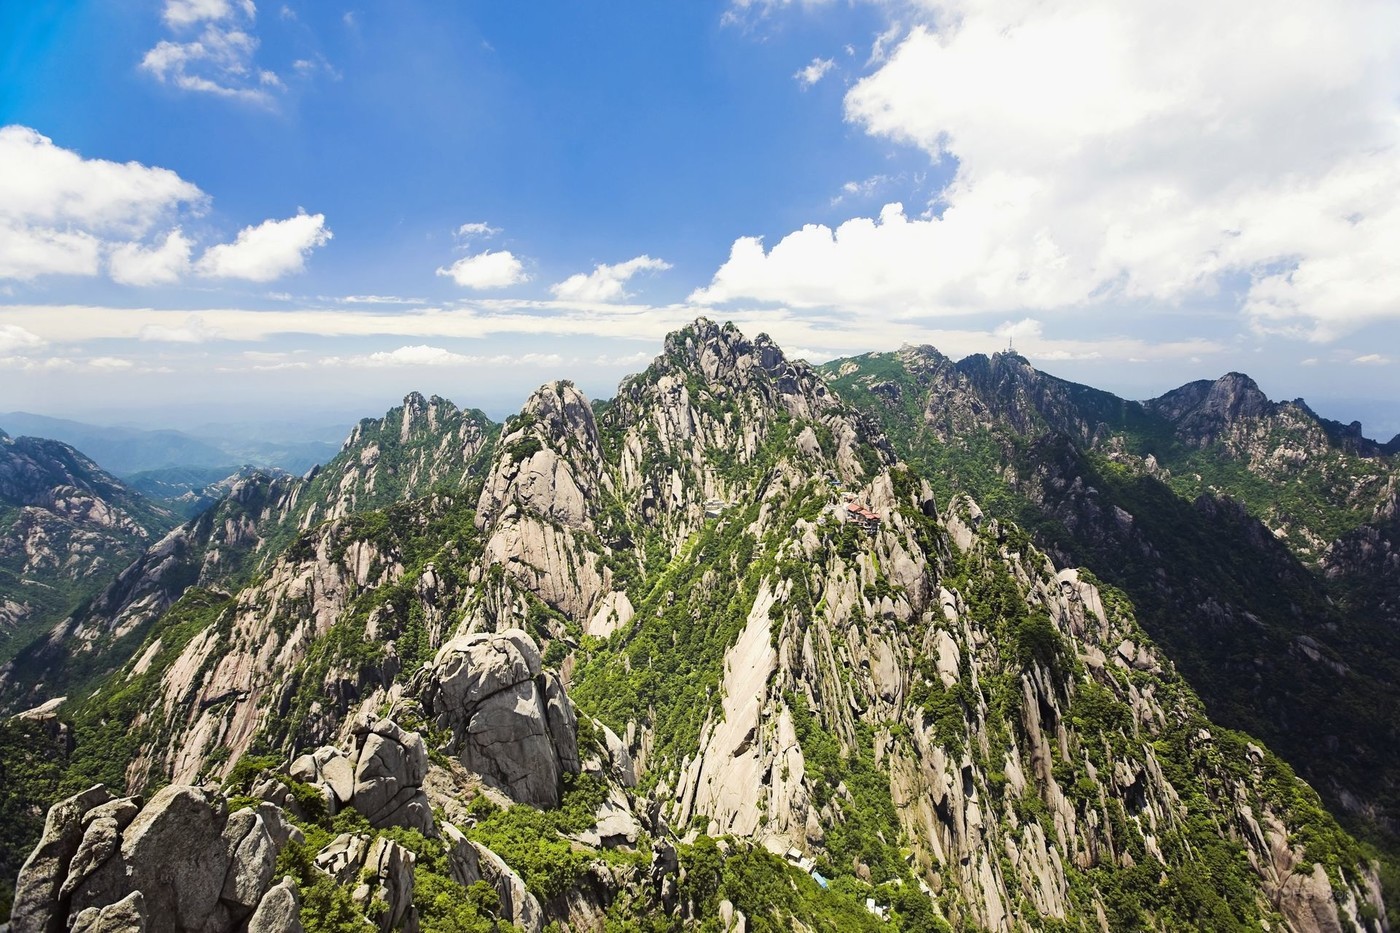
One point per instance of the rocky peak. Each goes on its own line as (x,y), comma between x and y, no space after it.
(1204,410)
(551,461)
(724,361)
(560,414)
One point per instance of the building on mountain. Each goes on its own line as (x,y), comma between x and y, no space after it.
(861,514)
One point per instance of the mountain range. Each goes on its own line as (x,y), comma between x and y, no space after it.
(894,643)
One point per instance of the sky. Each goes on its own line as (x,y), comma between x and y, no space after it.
(236,209)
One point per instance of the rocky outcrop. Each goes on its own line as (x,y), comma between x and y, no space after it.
(378,871)
(470,862)
(509,719)
(181,863)
(391,766)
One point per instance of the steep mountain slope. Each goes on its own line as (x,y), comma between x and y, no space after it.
(1212,507)
(421,445)
(65,528)
(799,689)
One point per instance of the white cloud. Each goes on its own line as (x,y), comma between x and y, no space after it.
(491,269)
(814,71)
(13,338)
(1153,152)
(220,61)
(424,355)
(270,250)
(477,229)
(605,282)
(109,363)
(1372,359)
(421,355)
(191,330)
(133,264)
(178,13)
(59,212)
(861,189)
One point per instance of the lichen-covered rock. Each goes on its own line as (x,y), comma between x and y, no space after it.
(510,721)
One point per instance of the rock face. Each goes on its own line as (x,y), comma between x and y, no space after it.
(509,719)
(181,864)
(378,870)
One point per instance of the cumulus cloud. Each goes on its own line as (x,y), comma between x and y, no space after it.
(1154,152)
(133,264)
(814,71)
(1372,359)
(491,269)
(59,212)
(220,60)
(63,214)
(606,282)
(179,13)
(270,250)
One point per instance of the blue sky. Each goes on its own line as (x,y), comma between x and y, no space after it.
(216,206)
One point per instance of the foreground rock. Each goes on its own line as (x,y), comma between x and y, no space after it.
(180,863)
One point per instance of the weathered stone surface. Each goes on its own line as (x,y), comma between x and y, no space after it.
(36,907)
(180,864)
(252,855)
(127,915)
(510,722)
(279,911)
(390,768)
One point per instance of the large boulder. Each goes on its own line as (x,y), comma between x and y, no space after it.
(180,863)
(390,767)
(509,719)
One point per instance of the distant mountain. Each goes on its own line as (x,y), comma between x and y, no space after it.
(66,528)
(125,451)
(734,649)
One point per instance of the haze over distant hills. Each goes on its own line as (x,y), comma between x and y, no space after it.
(126,450)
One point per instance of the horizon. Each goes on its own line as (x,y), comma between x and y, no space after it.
(216,206)
(201,421)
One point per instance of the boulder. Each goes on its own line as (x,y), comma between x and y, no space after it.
(179,863)
(279,911)
(37,908)
(390,768)
(127,915)
(510,721)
